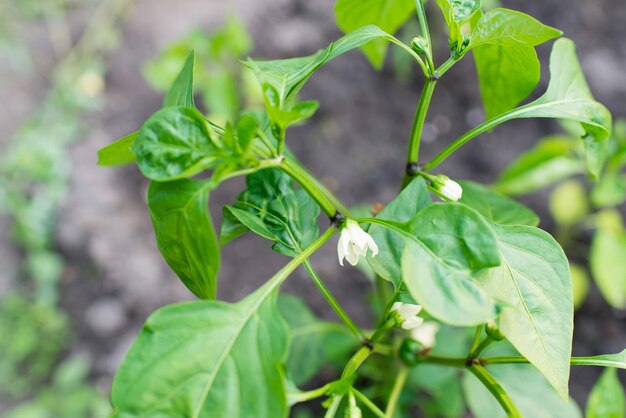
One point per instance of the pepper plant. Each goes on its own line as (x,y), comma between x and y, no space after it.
(476,300)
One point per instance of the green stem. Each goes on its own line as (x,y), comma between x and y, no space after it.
(333,302)
(418,126)
(574,361)
(443,68)
(476,341)
(367,402)
(476,351)
(396,391)
(334,406)
(423,21)
(306,182)
(308,395)
(355,362)
(496,390)
(274,162)
(445,361)
(468,136)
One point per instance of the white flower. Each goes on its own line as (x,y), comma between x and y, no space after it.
(354,242)
(408,314)
(446,188)
(425,334)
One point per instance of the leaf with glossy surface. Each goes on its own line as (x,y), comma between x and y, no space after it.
(274,209)
(175,143)
(314,343)
(530,392)
(551,160)
(184,233)
(451,242)
(496,207)
(607,399)
(119,152)
(534,290)
(181,91)
(207,359)
(389,15)
(387,264)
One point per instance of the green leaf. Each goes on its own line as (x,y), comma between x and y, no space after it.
(510,28)
(314,343)
(174,143)
(607,399)
(530,392)
(184,233)
(207,359)
(608,264)
(457,13)
(119,152)
(534,291)
(568,97)
(281,80)
(271,207)
(389,15)
(181,91)
(387,264)
(569,203)
(496,207)
(506,75)
(580,284)
(610,190)
(451,242)
(550,161)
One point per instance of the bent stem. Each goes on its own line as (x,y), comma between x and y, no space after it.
(496,390)
(332,301)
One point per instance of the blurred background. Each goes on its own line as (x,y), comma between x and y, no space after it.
(79,268)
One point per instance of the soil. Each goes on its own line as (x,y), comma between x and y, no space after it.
(356,142)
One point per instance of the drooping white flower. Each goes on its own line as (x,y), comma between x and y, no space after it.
(407,313)
(426,334)
(354,242)
(446,188)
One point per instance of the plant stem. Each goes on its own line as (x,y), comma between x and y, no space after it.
(355,362)
(367,402)
(308,395)
(476,341)
(476,351)
(396,391)
(332,301)
(446,361)
(418,126)
(305,180)
(443,68)
(574,361)
(423,21)
(496,390)
(334,406)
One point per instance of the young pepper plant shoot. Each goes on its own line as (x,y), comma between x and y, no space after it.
(475,299)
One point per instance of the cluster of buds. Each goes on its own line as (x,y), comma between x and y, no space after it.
(406,317)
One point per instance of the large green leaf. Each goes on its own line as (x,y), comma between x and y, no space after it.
(181,91)
(534,291)
(607,399)
(457,13)
(174,143)
(185,234)
(119,152)
(207,359)
(314,343)
(451,242)
(389,15)
(271,207)
(281,80)
(530,392)
(387,264)
(608,264)
(496,207)
(550,161)
(510,28)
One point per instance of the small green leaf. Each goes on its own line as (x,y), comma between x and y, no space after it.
(274,209)
(607,399)
(550,161)
(387,264)
(451,243)
(314,343)
(119,152)
(569,203)
(608,264)
(610,190)
(580,284)
(389,15)
(457,13)
(530,392)
(511,28)
(534,290)
(184,233)
(207,359)
(181,91)
(495,207)
(175,143)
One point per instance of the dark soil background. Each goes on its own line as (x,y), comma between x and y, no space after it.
(356,143)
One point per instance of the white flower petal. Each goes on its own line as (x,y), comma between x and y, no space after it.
(426,334)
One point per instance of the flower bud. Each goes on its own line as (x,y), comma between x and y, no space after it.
(446,188)
(492,330)
(406,315)
(419,45)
